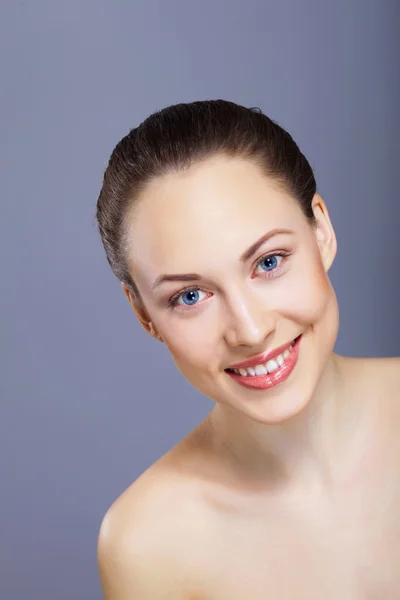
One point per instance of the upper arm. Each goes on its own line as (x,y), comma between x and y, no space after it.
(135,565)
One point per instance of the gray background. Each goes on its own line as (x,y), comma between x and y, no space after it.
(88,401)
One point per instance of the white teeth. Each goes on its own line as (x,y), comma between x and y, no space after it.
(272,365)
(280,360)
(269,367)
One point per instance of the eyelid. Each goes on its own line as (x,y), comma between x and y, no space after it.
(282,253)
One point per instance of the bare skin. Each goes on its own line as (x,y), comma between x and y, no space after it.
(194,527)
(291,492)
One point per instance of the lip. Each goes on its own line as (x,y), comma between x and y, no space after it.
(270,380)
(263,358)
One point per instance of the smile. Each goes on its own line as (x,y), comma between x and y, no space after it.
(268,374)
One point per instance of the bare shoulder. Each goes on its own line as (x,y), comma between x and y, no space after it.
(391,363)
(372,370)
(379,380)
(145,542)
(391,368)
(385,371)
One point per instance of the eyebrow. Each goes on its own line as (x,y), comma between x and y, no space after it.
(244,257)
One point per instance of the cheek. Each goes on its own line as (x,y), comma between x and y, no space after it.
(310,292)
(189,345)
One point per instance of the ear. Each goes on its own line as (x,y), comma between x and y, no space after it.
(141,313)
(325,234)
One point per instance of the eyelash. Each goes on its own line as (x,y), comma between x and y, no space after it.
(172,302)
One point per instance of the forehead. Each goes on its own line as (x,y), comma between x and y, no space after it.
(221,205)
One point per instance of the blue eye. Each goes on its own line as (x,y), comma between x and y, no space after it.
(270,262)
(188,297)
(192,297)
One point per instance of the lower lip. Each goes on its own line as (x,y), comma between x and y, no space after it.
(264,382)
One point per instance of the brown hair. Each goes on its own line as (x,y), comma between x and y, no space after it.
(175,137)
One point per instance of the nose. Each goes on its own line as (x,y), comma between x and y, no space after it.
(249,323)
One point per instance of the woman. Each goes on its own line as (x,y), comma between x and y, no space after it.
(290,487)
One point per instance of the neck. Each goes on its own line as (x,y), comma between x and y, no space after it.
(300,451)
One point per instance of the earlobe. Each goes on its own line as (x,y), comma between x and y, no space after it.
(154,332)
(141,314)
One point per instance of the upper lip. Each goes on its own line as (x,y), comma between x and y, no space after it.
(262,358)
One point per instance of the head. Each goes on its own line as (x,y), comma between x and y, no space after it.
(187,200)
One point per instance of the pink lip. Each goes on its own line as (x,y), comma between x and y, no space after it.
(261,358)
(263,382)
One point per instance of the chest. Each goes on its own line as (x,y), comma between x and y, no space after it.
(345,549)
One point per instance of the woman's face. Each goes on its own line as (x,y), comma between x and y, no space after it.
(200,224)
